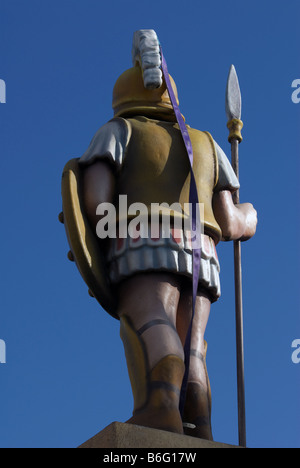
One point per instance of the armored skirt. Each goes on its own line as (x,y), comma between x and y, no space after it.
(173,254)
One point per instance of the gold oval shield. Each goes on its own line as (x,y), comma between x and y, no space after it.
(83,243)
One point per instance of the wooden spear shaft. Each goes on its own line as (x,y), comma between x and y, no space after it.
(233,110)
(239,313)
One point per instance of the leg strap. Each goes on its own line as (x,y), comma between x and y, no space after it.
(153,323)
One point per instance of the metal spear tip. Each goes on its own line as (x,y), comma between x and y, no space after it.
(233,101)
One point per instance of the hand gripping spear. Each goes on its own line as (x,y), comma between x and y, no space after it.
(234,124)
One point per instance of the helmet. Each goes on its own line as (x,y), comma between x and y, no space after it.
(131,97)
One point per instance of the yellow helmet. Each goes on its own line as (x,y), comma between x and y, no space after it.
(130,97)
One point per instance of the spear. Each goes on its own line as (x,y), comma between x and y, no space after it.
(233,105)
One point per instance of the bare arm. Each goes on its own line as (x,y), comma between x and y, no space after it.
(236,221)
(98,187)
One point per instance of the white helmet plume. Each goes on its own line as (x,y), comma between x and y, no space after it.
(145,50)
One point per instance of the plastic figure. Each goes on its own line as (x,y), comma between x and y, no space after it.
(145,280)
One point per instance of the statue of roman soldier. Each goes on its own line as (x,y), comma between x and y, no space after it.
(145,281)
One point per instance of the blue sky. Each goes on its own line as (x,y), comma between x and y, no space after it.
(65,377)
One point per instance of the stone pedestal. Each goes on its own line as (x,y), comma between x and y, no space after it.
(122,435)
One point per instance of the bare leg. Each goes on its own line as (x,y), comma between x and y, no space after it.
(197,411)
(148,304)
